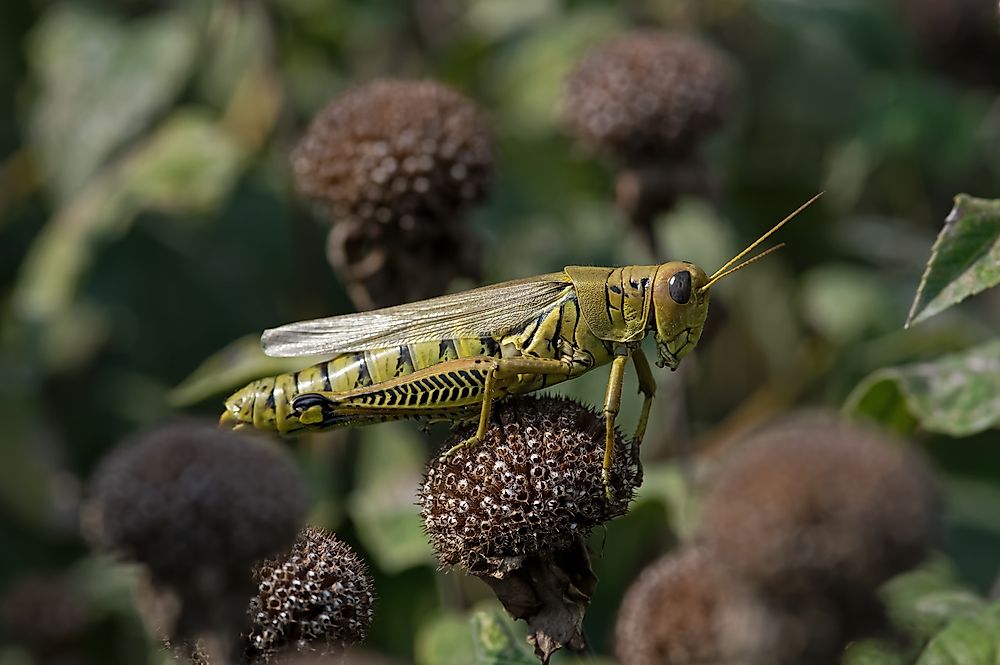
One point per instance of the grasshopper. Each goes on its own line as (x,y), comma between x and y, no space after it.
(450,358)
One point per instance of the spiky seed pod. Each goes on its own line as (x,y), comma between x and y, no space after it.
(396,162)
(317,597)
(818,505)
(686,609)
(647,96)
(47,614)
(396,150)
(530,488)
(190,496)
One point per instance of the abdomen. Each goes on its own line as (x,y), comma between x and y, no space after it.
(266,403)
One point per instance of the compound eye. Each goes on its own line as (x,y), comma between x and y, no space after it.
(679,286)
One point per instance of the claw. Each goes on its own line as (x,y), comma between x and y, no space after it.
(468,443)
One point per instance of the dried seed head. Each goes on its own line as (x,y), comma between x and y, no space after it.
(382,268)
(647,95)
(528,489)
(961,36)
(685,609)
(45,613)
(818,505)
(396,163)
(190,497)
(396,152)
(317,597)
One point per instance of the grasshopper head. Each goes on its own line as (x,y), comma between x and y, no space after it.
(680,297)
(680,306)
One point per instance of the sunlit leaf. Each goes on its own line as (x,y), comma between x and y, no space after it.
(101,81)
(959,394)
(965,259)
(967,640)
(530,81)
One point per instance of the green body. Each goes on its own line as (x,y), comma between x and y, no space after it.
(595,314)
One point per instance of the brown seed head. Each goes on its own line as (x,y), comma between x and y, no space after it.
(396,152)
(962,36)
(190,497)
(48,614)
(818,505)
(685,609)
(647,95)
(317,597)
(529,488)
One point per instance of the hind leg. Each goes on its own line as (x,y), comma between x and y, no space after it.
(503,371)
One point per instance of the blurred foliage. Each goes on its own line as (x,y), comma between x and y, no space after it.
(957,394)
(147,221)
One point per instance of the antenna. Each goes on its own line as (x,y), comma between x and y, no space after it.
(724,270)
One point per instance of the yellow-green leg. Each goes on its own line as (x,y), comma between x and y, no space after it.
(612,402)
(647,387)
(503,369)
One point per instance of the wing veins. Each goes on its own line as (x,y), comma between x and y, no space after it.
(486,311)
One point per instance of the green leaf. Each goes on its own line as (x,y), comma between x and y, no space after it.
(959,394)
(102,81)
(873,652)
(391,461)
(924,600)
(187,166)
(444,640)
(843,301)
(529,80)
(967,640)
(240,362)
(498,641)
(965,259)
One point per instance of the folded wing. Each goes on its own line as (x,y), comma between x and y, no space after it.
(488,311)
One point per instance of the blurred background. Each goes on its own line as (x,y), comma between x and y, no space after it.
(150,229)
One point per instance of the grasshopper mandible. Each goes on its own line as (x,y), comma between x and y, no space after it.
(449,358)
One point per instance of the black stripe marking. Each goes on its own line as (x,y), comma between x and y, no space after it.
(621,289)
(576,320)
(324,370)
(447,349)
(403,360)
(538,325)
(422,399)
(607,304)
(490,346)
(555,342)
(364,375)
